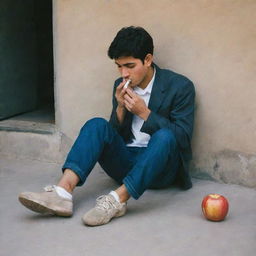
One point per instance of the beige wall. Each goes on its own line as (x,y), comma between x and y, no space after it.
(210,41)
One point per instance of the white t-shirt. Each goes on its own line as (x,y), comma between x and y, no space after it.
(141,139)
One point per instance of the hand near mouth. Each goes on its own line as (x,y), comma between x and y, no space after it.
(135,104)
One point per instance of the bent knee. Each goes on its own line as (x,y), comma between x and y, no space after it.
(95,122)
(165,135)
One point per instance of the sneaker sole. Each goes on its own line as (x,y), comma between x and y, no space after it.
(88,223)
(37,207)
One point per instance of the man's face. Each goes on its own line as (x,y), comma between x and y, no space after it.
(133,69)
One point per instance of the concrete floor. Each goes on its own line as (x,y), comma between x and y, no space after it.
(162,222)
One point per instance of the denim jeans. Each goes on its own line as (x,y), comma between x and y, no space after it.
(138,168)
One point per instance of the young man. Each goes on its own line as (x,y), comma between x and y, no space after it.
(145,144)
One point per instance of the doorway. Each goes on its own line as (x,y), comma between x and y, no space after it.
(26,64)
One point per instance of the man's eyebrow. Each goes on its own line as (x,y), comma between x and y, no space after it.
(126,64)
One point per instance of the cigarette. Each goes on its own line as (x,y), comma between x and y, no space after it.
(127,83)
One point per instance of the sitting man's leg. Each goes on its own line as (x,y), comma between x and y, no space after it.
(152,167)
(156,166)
(94,139)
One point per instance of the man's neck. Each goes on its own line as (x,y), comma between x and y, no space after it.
(148,78)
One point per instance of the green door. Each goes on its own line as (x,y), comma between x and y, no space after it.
(18,58)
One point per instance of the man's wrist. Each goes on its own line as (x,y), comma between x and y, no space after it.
(145,114)
(120,108)
(120,111)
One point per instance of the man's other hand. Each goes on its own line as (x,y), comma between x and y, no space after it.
(135,104)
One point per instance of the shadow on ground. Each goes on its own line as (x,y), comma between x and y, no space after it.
(162,222)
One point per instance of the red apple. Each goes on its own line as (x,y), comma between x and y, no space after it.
(215,207)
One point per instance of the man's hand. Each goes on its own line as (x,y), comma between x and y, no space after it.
(135,104)
(120,92)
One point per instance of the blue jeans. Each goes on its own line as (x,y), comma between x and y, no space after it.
(154,166)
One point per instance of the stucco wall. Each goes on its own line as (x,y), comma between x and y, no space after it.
(210,41)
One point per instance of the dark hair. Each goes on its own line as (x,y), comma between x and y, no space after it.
(131,41)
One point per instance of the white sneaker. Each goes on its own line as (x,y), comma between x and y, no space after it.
(106,208)
(48,202)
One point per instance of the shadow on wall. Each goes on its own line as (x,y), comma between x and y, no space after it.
(226,166)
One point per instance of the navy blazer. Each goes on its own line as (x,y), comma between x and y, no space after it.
(172,107)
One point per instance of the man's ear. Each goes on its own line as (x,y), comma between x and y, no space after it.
(148,60)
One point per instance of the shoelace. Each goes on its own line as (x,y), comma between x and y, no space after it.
(105,203)
(49,188)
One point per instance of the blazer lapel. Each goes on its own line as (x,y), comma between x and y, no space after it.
(157,93)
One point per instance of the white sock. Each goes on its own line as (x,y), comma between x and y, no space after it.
(63,192)
(115,195)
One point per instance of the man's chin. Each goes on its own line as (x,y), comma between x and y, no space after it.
(133,85)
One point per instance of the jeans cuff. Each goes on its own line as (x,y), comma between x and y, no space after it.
(130,188)
(76,170)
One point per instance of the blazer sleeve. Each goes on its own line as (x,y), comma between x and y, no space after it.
(113,117)
(180,117)
(124,129)
(121,128)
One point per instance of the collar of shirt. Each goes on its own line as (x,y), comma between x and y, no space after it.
(148,89)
